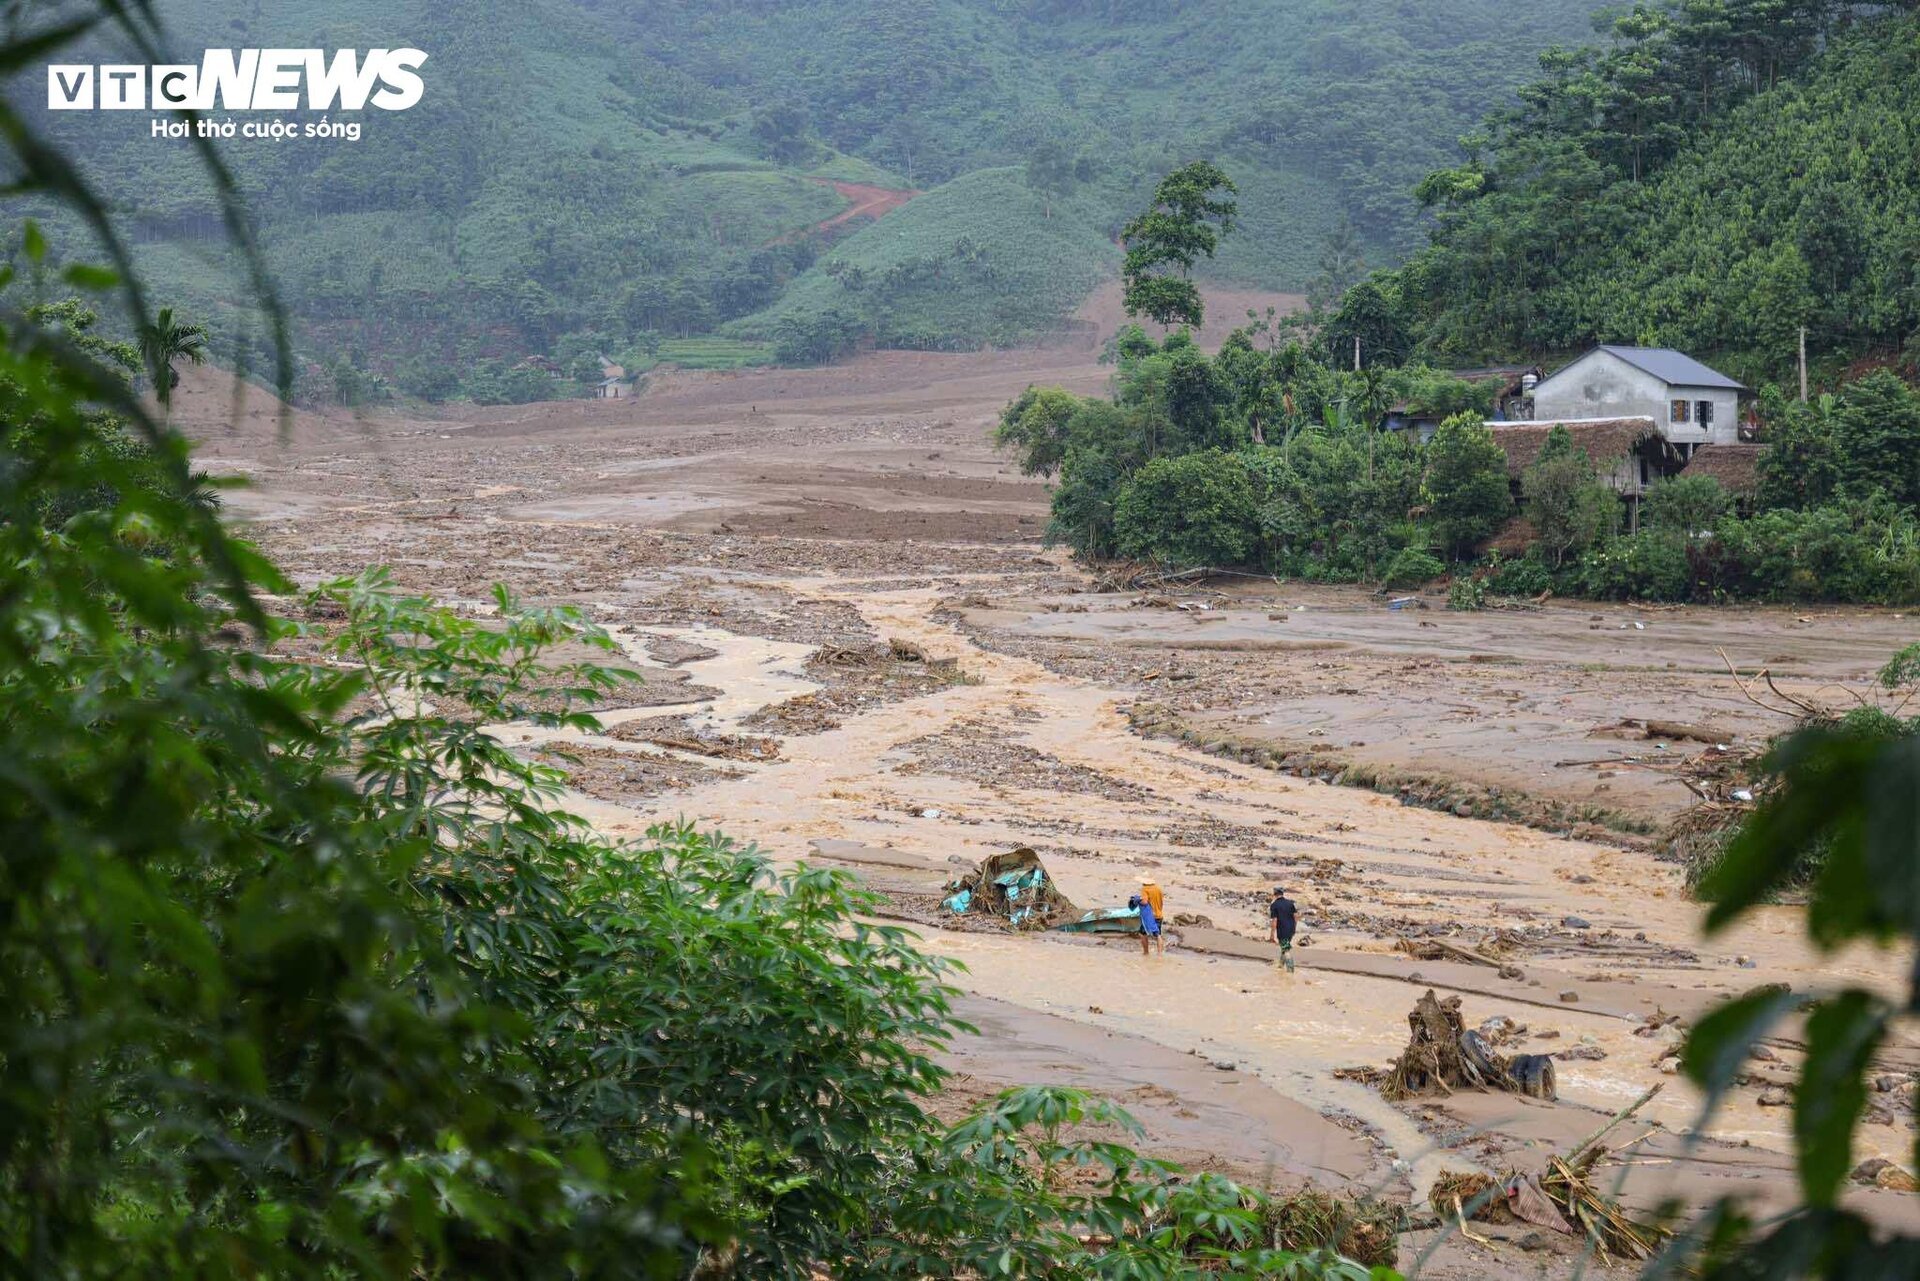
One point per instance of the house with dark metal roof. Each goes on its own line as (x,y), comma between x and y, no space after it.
(1691,404)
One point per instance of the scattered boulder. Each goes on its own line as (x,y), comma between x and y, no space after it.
(1895,1179)
(1868,1170)
(1775,1096)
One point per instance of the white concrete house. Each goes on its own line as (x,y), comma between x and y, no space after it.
(1690,404)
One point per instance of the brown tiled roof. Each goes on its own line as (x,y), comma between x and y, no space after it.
(1736,467)
(1606,440)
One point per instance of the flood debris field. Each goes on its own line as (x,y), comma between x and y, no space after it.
(857,652)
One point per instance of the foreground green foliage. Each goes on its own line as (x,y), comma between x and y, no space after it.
(308,973)
(1845,806)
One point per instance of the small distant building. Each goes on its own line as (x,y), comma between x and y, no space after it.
(1511,387)
(1690,404)
(1736,467)
(613,388)
(1408,417)
(1629,454)
(1513,401)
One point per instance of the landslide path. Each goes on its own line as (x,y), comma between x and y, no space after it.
(867,202)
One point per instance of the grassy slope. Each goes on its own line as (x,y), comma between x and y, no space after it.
(975,260)
(571,151)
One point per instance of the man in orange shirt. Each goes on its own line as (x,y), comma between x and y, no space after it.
(1150,891)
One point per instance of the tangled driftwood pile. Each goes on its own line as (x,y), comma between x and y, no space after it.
(1443,1056)
(1564,1198)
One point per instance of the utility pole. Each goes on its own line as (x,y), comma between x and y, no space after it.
(1803,364)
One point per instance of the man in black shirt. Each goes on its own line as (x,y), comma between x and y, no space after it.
(1282,919)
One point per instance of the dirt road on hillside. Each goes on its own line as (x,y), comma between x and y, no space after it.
(735,530)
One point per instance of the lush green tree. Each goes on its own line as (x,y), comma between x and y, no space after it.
(1876,434)
(1468,494)
(1192,208)
(1036,426)
(165,342)
(1195,509)
(1368,327)
(1801,465)
(1083,502)
(1051,171)
(782,128)
(1571,509)
(1342,265)
(1685,505)
(816,339)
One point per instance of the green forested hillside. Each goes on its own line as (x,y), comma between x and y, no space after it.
(587,175)
(1726,173)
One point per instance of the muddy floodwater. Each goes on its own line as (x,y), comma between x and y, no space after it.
(858,652)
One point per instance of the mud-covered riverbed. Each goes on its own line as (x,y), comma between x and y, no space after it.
(744,535)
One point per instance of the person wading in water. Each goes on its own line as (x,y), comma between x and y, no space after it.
(1282,919)
(1150,891)
(1149,925)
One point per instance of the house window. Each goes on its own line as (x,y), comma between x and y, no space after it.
(1677,412)
(1705,415)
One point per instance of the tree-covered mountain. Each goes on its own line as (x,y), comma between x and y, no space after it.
(1722,174)
(585,174)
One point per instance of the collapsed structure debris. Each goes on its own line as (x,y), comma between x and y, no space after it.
(1434,949)
(1562,1198)
(1013,886)
(1443,1056)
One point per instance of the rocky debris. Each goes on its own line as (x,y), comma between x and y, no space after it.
(1587,1050)
(1501,1030)
(1660,1026)
(854,679)
(622,777)
(1868,1171)
(675,650)
(1775,1096)
(1570,998)
(681,735)
(1895,1179)
(982,753)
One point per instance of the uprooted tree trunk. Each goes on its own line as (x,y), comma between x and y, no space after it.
(1443,1056)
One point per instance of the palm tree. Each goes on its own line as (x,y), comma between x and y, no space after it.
(165,341)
